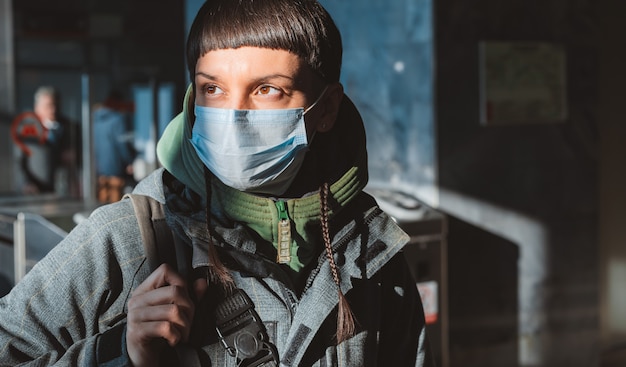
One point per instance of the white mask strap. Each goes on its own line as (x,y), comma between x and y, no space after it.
(317,100)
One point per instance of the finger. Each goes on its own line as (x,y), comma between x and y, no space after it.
(162,276)
(168,313)
(147,332)
(167,295)
(175,316)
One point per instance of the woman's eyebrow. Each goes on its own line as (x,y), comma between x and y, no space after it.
(256,79)
(275,76)
(206,76)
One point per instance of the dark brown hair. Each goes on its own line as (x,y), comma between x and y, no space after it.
(302,27)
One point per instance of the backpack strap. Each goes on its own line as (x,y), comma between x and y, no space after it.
(157,239)
(156,235)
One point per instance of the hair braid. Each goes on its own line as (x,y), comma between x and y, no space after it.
(218,273)
(345,318)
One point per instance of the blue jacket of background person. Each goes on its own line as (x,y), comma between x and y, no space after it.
(112,141)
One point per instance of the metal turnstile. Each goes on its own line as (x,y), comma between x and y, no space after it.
(29,237)
(29,228)
(426,254)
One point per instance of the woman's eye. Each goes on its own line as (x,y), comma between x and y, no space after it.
(212,89)
(268,90)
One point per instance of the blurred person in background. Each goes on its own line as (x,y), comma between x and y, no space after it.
(52,159)
(113,150)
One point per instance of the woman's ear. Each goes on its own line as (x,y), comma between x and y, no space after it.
(331,102)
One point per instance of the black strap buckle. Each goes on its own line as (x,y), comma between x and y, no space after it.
(241,331)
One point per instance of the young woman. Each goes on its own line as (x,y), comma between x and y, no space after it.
(262,183)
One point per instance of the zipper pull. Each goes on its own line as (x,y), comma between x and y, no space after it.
(284,234)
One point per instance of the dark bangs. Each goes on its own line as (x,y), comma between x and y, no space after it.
(302,27)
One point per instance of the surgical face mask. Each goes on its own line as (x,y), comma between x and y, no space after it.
(257,151)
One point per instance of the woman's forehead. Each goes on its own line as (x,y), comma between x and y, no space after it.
(252,62)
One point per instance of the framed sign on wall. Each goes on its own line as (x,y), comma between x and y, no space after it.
(522,83)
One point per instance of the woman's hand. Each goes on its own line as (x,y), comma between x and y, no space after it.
(160,309)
